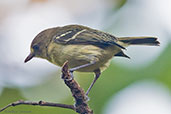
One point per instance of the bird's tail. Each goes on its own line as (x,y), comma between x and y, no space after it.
(126,41)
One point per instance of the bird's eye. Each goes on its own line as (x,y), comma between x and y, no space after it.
(35,47)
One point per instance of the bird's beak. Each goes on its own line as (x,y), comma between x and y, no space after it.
(29,57)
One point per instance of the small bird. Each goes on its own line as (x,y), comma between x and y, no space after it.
(85,49)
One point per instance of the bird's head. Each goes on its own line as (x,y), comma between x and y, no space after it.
(39,45)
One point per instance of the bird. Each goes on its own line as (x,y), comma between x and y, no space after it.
(86,49)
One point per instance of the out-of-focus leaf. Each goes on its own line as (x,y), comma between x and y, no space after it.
(53,89)
(121,3)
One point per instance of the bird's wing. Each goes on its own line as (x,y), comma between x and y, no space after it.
(87,37)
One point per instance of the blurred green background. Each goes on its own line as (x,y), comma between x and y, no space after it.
(140,85)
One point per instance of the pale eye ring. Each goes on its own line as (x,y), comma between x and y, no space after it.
(36,47)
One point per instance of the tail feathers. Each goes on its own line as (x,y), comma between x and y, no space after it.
(152,41)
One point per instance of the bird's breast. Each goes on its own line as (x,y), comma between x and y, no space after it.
(78,55)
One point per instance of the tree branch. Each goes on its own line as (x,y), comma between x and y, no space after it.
(40,103)
(81,105)
(77,92)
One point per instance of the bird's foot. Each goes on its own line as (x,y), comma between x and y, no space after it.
(87,98)
(70,77)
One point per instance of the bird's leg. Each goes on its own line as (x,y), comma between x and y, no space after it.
(82,66)
(97,75)
(79,67)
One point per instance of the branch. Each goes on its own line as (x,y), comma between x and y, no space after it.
(40,103)
(78,93)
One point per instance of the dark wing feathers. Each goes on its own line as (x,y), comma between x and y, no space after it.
(86,36)
(122,54)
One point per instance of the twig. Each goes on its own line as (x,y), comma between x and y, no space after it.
(40,103)
(78,93)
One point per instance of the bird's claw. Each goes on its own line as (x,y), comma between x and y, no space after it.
(71,77)
(87,98)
